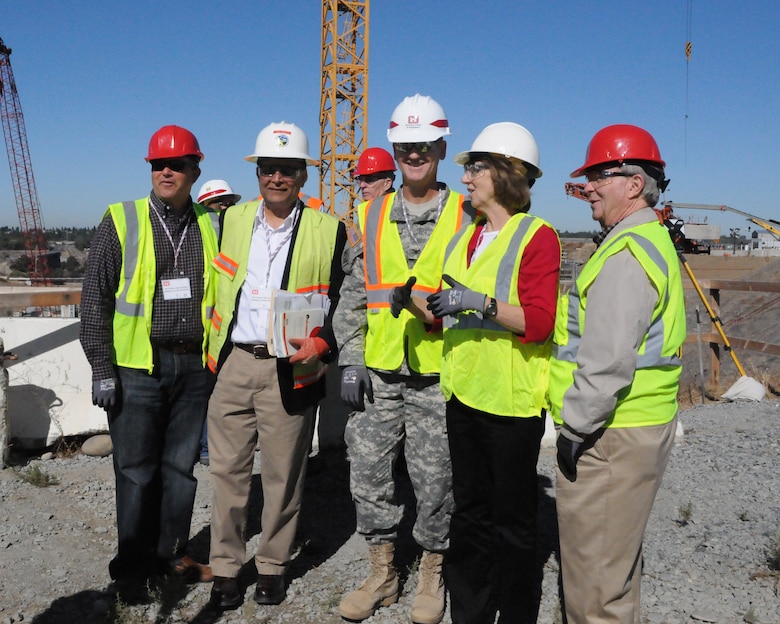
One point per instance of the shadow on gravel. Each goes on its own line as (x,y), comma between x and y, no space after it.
(547,534)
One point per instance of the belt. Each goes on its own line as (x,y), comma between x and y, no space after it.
(178,346)
(260,351)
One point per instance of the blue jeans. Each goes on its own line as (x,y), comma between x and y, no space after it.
(156,436)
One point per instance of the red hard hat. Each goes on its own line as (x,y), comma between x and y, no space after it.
(374,160)
(173,142)
(620,143)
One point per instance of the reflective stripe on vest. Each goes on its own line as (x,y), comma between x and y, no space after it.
(654,342)
(485,364)
(310,272)
(132,320)
(390,340)
(651,397)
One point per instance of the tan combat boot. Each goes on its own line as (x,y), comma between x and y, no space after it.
(380,589)
(428,605)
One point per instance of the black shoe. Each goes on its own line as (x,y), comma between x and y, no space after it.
(225,594)
(271,589)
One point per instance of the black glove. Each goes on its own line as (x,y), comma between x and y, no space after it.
(104,393)
(568,454)
(400,297)
(455,299)
(355,382)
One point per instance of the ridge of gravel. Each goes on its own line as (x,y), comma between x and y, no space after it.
(714,523)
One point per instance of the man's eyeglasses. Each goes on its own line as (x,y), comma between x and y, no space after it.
(473,169)
(370,179)
(178,165)
(288,173)
(420,148)
(600,178)
(221,203)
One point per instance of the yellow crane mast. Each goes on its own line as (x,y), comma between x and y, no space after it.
(344,101)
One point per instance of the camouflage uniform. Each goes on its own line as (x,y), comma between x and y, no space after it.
(408,412)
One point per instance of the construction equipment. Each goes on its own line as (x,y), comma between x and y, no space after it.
(22,174)
(344,101)
(770,225)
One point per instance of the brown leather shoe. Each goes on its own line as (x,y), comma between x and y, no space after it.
(271,589)
(225,593)
(192,571)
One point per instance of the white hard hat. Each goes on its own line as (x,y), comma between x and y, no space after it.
(282,140)
(216,188)
(506,139)
(417,119)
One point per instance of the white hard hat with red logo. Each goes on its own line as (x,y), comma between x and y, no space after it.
(417,119)
(217,188)
(282,140)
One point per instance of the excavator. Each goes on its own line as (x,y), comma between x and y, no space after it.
(770,225)
(666,216)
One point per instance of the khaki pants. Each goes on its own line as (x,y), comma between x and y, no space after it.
(601,522)
(246,410)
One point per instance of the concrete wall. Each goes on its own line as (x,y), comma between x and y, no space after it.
(50,384)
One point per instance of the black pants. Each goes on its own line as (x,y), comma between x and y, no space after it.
(491,563)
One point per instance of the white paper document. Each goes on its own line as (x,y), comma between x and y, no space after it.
(294,316)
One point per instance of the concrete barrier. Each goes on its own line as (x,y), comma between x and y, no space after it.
(49,394)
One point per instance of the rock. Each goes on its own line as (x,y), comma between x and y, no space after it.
(98,445)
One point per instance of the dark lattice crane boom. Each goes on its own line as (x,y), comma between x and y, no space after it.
(21,172)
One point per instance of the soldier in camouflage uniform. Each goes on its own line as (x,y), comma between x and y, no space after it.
(393,359)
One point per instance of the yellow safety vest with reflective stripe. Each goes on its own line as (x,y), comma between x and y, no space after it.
(484,364)
(651,399)
(385,266)
(132,321)
(310,272)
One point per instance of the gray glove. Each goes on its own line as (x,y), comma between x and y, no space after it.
(104,393)
(455,299)
(400,297)
(355,382)
(568,454)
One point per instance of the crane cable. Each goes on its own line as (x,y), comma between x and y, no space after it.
(688,49)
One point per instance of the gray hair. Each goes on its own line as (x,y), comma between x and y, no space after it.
(650,193)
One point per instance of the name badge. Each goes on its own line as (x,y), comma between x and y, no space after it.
(178,288)
(260,298)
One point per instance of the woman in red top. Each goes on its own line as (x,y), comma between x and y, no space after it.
(494,377)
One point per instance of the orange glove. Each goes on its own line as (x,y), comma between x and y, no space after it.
(310,349)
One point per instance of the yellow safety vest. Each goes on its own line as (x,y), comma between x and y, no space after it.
(651,399)
(385,267)
(310,272)
(484,363)
(132,321)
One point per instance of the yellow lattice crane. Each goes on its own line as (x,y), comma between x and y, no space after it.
(344,101)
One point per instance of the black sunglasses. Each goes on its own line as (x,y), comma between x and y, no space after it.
(420,148)
(267,171)
(178,165)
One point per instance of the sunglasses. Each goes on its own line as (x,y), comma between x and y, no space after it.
(178,165)
(288,173)
(420,148)
(371,178)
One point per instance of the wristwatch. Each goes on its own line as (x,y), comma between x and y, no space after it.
(491,309)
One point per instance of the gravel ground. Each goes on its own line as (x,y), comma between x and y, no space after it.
(714,523)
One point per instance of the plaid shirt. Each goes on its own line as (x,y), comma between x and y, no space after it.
(176,319)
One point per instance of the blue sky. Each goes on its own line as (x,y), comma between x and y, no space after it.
(96,79)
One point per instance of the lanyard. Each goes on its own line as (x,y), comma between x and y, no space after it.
(176,248)
(406,215)
(267,231)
